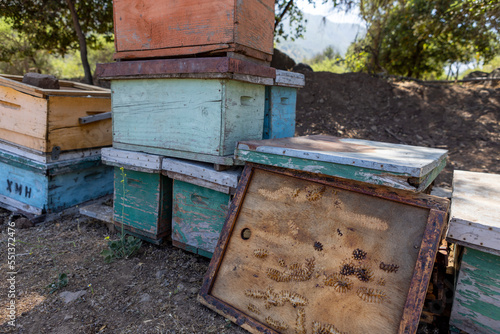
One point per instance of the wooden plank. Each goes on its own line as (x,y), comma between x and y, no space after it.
(474,211)
(14,82)
(289,79)
(163,68)
(279,118)
(222,160)
(98,211)
(17,206)
(403,159)
(22,113)
(202,171)
(165,28)
(476,305)
(289,235)
(199,182)
(136,161)
(43,157)
(198,216)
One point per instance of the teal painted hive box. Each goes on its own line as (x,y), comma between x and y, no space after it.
(142,199)
(201,197)
(281,102)
(398,166)
(36,184)
(193,109)
(475,227)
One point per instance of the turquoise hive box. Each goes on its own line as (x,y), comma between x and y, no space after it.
(142,199)
(201,198)
(195,108)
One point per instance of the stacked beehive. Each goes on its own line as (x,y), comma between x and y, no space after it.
(50,140)
(190,83)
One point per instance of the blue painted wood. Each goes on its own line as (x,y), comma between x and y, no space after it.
(41,188)
(143,203)
(279,112)
(198,217)
(193,116)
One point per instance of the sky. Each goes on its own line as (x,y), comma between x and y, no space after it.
(334,16)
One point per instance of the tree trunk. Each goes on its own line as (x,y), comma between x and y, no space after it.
(82,42)
(279,18)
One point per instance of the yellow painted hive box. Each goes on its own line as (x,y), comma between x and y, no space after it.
(76,116)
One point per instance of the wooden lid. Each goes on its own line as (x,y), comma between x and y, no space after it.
(67,88)
(475,204)
(201,68)
(137,161)
(289,79)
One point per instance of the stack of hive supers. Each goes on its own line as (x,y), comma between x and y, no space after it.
(190,82)
(51,134)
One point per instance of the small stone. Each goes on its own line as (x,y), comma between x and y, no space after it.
(180,287)
(68,317)
(193,291)
(161,273)
(144,298)
(24,223)
(41,80)
(68,296)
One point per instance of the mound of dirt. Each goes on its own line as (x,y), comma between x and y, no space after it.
(462,118)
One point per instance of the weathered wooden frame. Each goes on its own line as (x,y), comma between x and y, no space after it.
(437,207)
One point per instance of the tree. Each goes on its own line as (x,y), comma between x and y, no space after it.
(418,38)
(61,25)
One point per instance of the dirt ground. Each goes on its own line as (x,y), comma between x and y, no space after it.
(155,291)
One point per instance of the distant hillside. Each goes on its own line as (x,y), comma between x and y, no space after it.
(321,34)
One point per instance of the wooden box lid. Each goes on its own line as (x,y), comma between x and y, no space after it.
(136,161)
(399,166)
(474,215)
(304,253)
(68,88)
(196,68)
(289,79)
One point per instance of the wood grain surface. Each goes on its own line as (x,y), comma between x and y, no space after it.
(304,254)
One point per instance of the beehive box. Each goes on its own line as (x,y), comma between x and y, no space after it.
(399,166)
(281,101)
(142,199)
(36,187)
(200,117)
(201,197)
(77,116)
(304,253)
(475,226)
(166,28)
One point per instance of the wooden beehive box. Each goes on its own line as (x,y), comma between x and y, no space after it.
(281,101)
(475,226)
(201,198)
(47,120)
(201,117)
(399,166)
(142,199)
(37,187)
(303,253)
(166,28)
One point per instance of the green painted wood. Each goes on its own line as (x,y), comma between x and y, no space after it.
(143,202)
(196,116)
(476,305)
(378,177)
(198,216)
